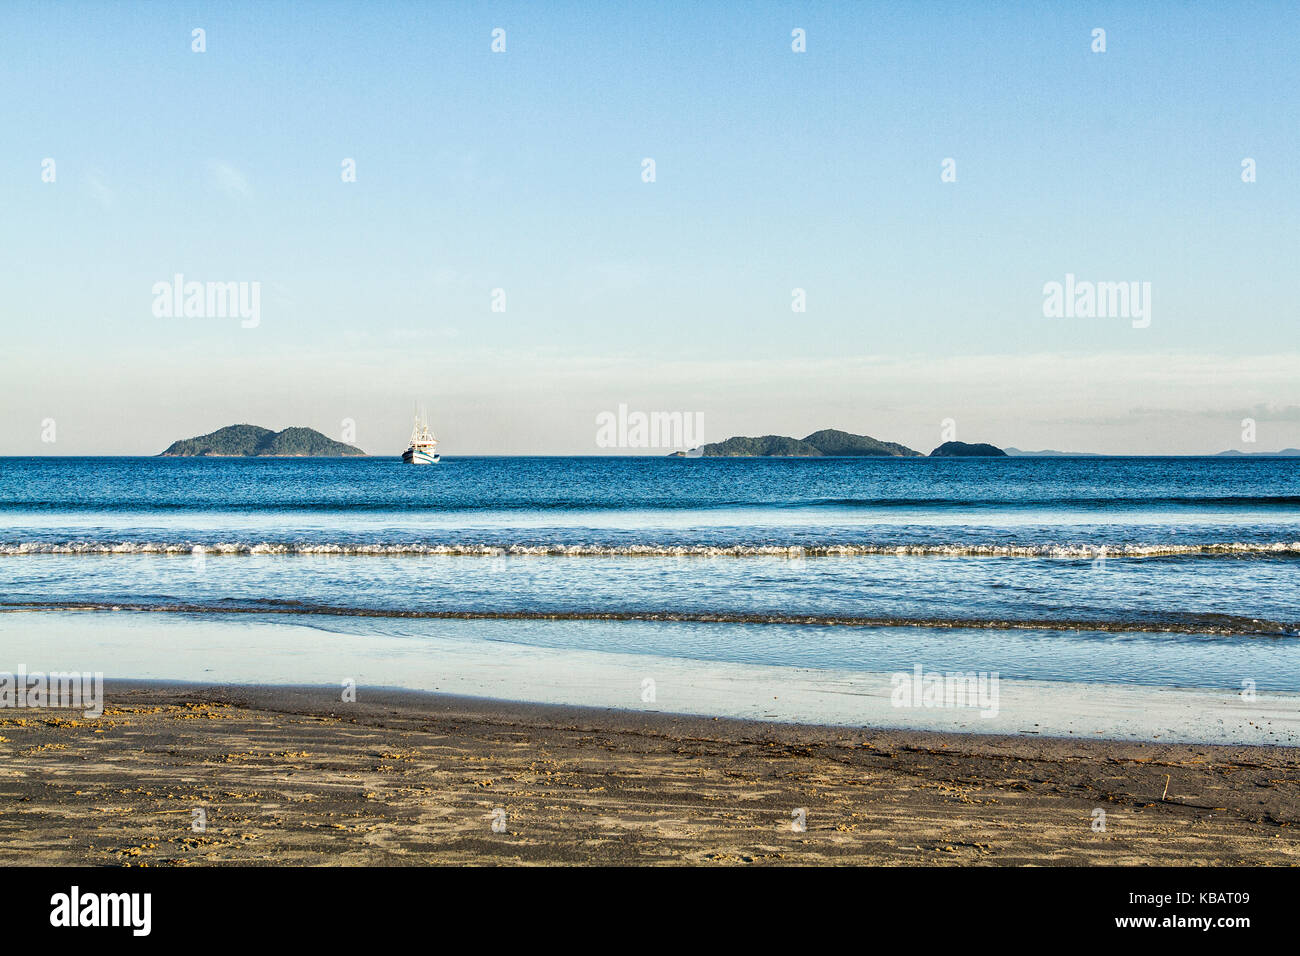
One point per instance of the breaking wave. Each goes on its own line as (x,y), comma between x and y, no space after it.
(677,501)
(1068,550)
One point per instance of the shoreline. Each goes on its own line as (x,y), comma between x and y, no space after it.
(292,775)
(415,700)
(483,660)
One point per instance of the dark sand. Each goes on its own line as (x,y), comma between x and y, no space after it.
(293,776)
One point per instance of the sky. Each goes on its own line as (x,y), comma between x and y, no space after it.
(517,179)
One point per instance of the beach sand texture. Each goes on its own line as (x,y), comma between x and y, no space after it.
(294,776)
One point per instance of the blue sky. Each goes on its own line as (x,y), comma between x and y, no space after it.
(775,170)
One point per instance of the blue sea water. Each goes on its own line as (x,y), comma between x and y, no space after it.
(1170,571)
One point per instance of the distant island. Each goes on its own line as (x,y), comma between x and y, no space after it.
(1284,453)
(253,441)
(961,449)
(827,442)
(831,443)
(1049,453)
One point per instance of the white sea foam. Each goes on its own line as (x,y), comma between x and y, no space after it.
(1072,550)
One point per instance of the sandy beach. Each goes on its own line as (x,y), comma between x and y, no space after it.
(295,776)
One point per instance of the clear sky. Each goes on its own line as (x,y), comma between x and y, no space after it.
(774,170)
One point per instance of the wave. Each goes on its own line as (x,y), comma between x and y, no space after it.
(1169,623)
(649,503)
(1078,551)
(1066,501)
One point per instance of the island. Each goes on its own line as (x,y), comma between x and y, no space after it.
(253,441)
(961,449)
(1284,453)
(828,442)
(1049,453)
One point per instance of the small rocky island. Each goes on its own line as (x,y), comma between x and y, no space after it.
(961,449)
(253,441)
(832,443)
(828,442)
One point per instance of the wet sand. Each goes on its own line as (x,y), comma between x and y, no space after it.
(295,776)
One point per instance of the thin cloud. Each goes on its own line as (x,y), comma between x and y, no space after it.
(100,190)
(229,179)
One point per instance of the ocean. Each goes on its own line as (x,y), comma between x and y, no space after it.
(1147,572)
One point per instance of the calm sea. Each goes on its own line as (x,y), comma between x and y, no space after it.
(1130,570)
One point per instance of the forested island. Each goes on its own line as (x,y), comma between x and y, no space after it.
(961,449)
(832,443)
(827,442)
(253,441)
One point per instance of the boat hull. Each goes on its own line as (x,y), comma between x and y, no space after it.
(413,456)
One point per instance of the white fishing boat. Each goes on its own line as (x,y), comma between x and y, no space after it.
(424,447)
